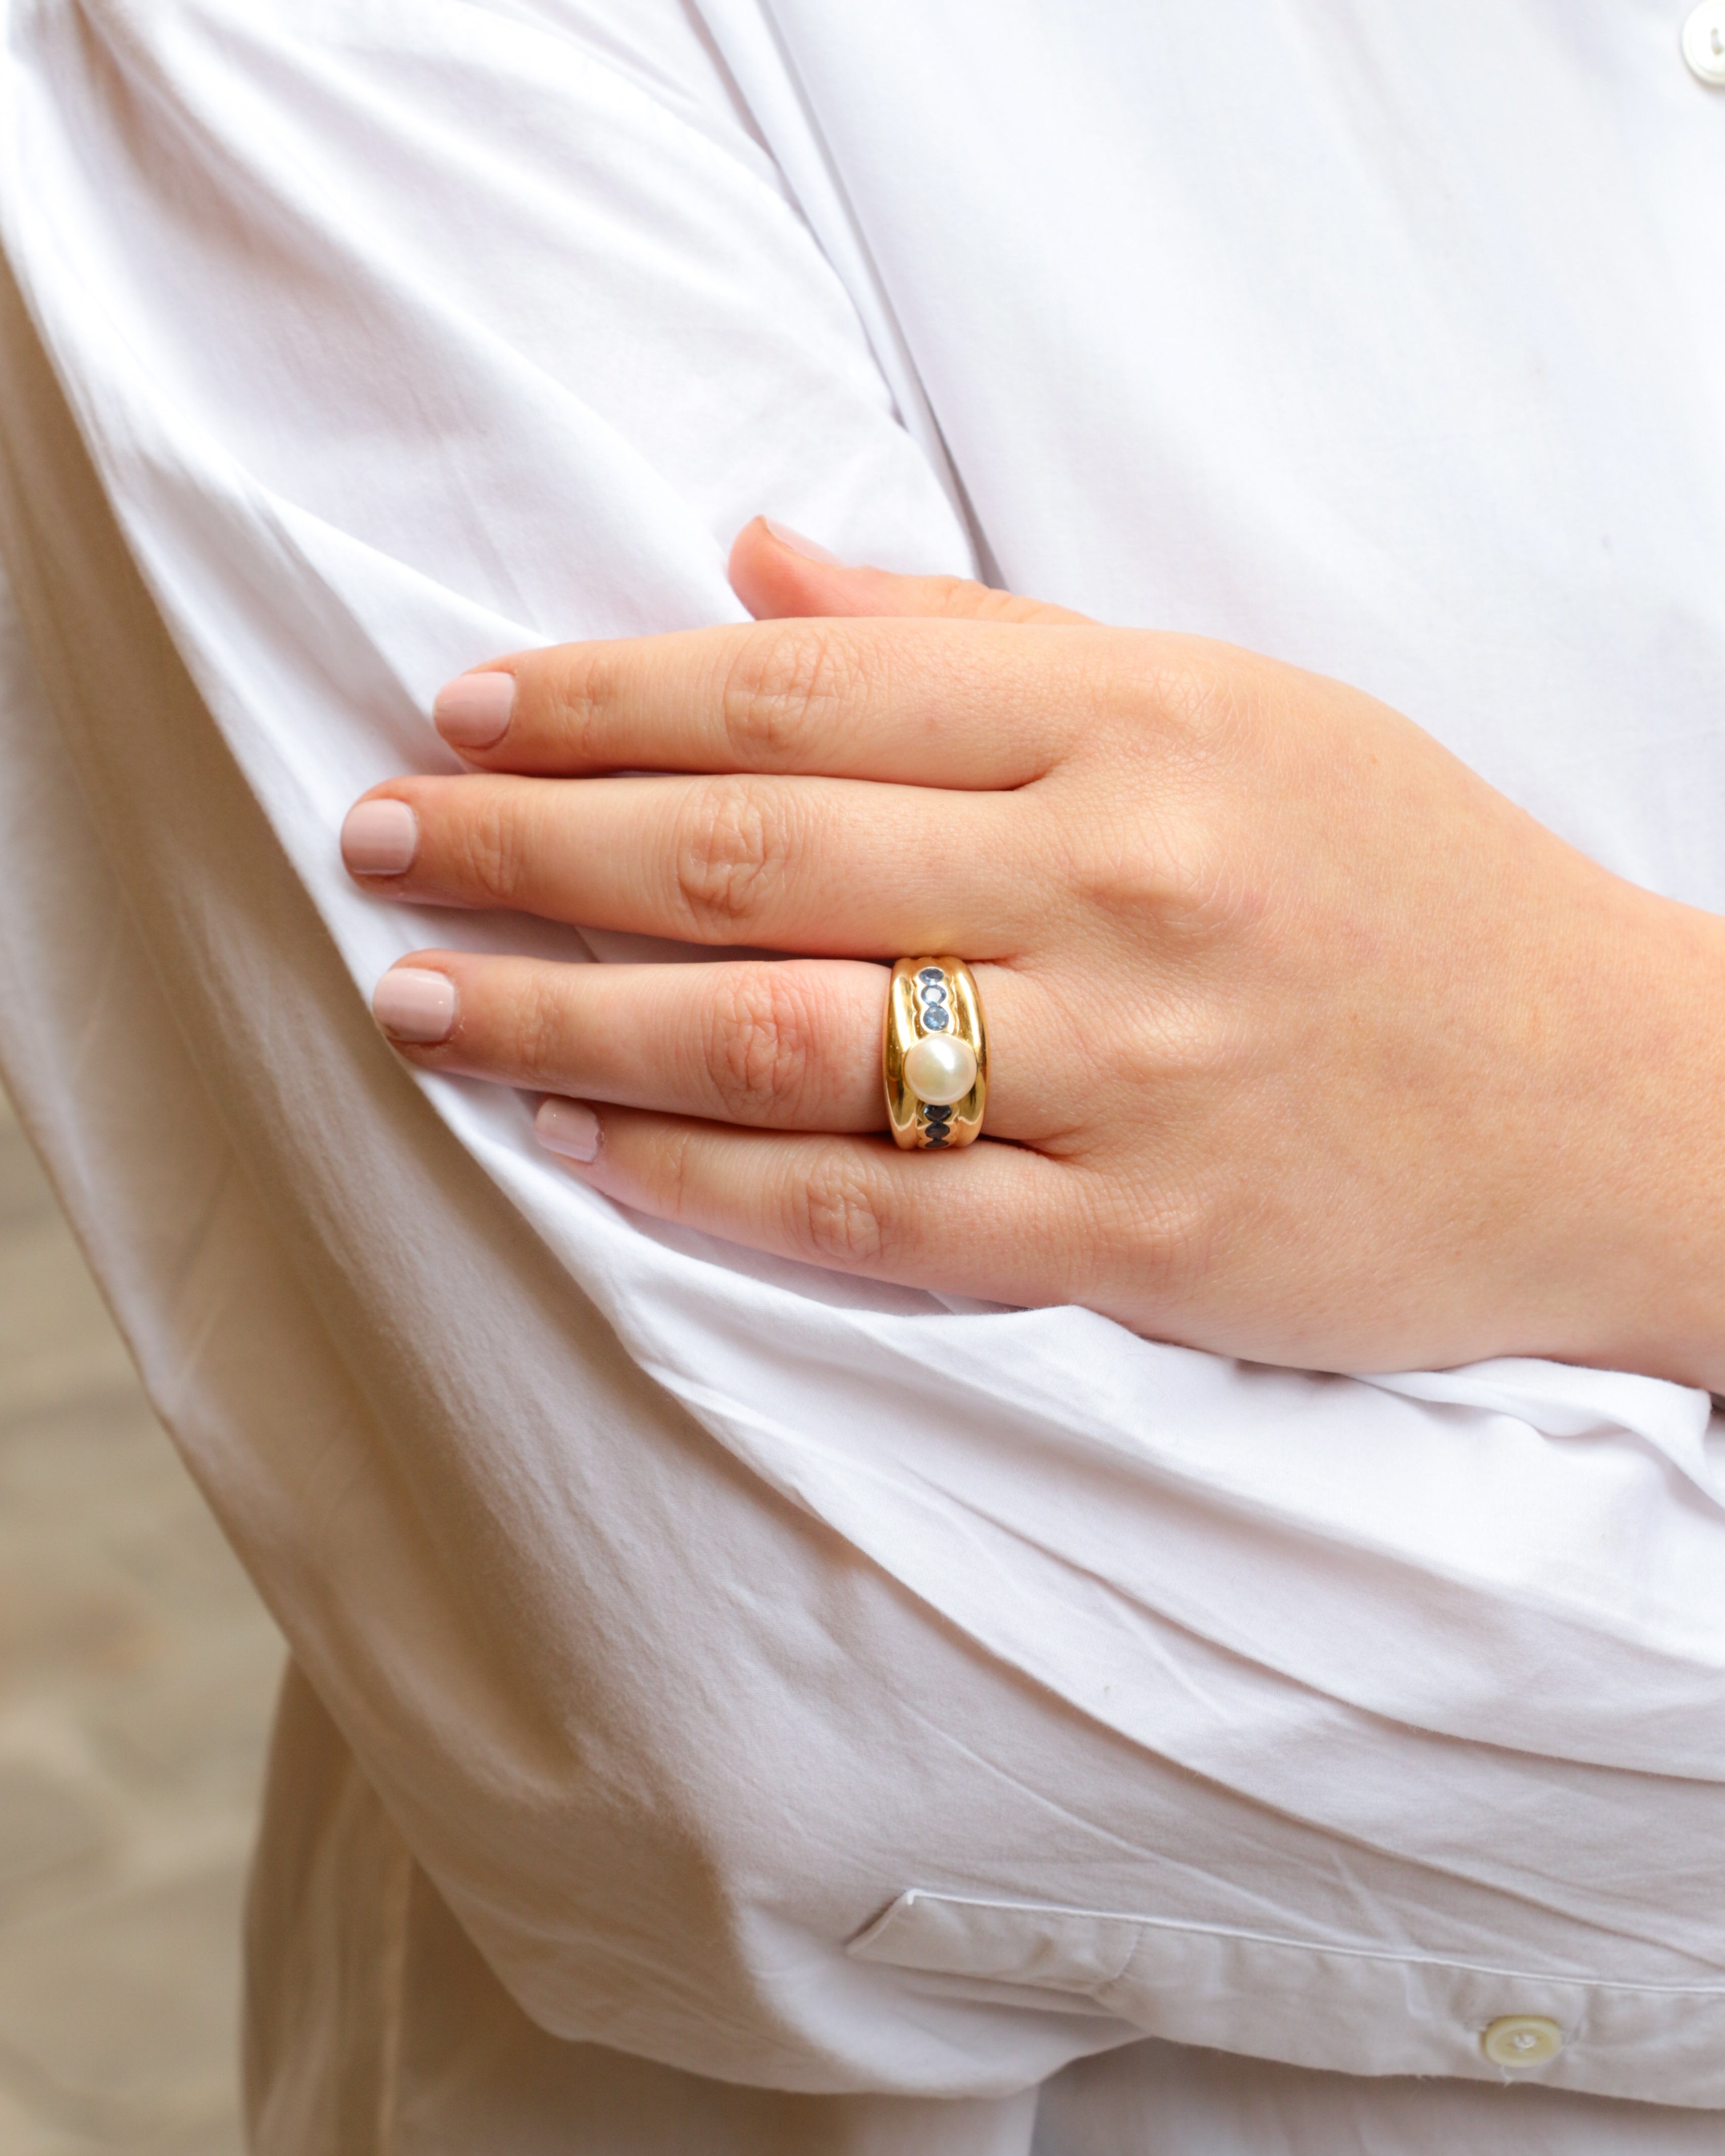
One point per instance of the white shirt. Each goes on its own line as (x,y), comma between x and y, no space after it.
(931,1695)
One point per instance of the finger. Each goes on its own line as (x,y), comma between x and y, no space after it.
(824,867)
(793,1045)
(776,573)
(994,1221)
(922,703)
(786,1045)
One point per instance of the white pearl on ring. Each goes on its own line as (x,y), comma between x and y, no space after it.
(940,1069)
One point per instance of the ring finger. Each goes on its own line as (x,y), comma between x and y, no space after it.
(789,1045)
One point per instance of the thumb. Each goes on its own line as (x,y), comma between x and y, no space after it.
(776,573)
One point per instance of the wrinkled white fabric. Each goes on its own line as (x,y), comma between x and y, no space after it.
(403,336)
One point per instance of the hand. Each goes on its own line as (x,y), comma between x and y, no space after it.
(1306,1045)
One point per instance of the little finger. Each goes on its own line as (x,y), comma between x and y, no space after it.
(998,1222)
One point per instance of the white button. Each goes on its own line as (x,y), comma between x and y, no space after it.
(1522,2040)
(1704,41)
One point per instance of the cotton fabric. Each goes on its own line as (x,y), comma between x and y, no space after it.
(680,1612)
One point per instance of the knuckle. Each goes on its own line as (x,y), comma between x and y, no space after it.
(1178,1230)
(537,1020)
(759,1049)
(485,841)
(1175,1237)
(1120,859)
(729,846)
(961,598)
(1173,701)
(1164,864)
(782,678)
(675,1174)
(1186,695)
(1203,705)
(583,703)
(1162,1235)
(669,1173)
(839,1215)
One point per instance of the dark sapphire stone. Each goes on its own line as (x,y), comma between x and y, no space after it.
(937,1139)
(935,1018)
(930,973)
(936,1112)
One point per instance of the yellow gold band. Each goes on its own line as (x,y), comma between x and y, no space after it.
(935,1054)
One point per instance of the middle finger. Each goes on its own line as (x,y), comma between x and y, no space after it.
(789,1045)
(825,866)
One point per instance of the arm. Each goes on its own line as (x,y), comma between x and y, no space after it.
(377,389)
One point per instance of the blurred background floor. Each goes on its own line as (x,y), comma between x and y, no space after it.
(137,1674)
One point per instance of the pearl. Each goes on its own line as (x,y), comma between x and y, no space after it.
(941,1069)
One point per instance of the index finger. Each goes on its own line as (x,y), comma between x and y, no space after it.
(972,705)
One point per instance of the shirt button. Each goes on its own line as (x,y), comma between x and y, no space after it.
(1704,41)
(1522,2040)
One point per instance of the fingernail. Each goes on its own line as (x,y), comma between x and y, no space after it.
(473,711)
(811,550)
(380,837)
(566,1127)
(411,1002)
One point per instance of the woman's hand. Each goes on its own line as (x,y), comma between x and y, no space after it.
(1306,1045)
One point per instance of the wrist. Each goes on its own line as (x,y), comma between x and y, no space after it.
(1643,1157)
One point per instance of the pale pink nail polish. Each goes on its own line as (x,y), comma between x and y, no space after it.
(474,710)
(811,550)
(568,1128)
(411,1002)
(380,837)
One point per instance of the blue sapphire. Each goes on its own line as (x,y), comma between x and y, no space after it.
(934,994)
(935,1018)
(930,973)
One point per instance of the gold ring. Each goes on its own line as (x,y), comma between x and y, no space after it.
(935,1054)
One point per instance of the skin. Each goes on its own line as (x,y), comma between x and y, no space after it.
(1306,1045)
